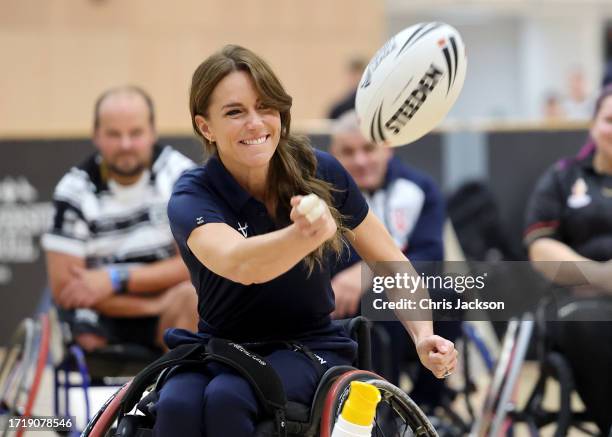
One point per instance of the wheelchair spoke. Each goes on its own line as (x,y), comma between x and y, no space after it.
(390,420)
(378,428)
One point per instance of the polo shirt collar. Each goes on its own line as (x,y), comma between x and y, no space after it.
(225,184)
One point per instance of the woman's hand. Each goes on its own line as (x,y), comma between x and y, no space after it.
(323,226)
(438,355)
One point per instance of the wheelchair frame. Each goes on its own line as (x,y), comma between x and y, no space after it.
(37,341)
(23,367)
(500,412)
(326,405)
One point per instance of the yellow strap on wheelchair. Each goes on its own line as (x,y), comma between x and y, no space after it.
(360,407)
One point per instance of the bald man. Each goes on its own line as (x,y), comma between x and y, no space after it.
(112,264)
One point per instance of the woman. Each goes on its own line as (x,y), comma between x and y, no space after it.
(260,267)
(570,219)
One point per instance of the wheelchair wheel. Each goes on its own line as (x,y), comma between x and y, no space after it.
(396,415)
(22,369)
(14,370)
(101,424)
(499,407)
(535,414)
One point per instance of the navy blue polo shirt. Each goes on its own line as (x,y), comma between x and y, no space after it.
(288,306)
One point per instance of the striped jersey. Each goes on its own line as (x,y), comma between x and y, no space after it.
(108,223)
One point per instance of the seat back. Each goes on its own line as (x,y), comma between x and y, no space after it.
(359,329)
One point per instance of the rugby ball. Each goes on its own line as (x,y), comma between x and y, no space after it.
(411,83)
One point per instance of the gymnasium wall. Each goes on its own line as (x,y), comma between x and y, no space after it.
(518,51)
(57,56)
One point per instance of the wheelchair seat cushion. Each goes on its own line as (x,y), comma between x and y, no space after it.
(120,360)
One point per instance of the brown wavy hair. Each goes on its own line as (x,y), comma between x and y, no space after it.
(293,166)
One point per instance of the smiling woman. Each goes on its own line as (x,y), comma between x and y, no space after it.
(241,112)
(245,130)
(259,257)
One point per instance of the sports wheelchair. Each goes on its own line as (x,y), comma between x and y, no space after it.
(110,366)
(45,339)
(129,413)
(22,369)
(557,357)
(500,411)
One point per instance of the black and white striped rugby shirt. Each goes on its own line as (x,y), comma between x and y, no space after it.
(107,223)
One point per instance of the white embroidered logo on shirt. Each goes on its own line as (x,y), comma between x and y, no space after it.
(579,197)
(200,220)
(321,360)
(243,229)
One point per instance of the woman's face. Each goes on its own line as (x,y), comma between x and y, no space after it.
(245,131)
(601,130)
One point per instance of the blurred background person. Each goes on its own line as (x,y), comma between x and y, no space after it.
(112,264)
(553,109)
(354,71)
(577,104)
(410,205)
(569,218)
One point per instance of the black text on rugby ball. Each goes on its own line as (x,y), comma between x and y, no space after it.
(415,100)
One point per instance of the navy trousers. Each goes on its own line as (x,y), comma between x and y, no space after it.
(218,402)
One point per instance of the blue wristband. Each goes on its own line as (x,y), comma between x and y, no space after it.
(115,278)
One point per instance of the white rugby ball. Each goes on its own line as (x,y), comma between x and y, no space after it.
(411,83)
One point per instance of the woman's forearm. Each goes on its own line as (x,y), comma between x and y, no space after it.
(265,257)
(562,265)
(418,329)
(250,260)
(548,249)
(385,259)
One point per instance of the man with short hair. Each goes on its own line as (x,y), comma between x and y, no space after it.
(411,207)
(113,267)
